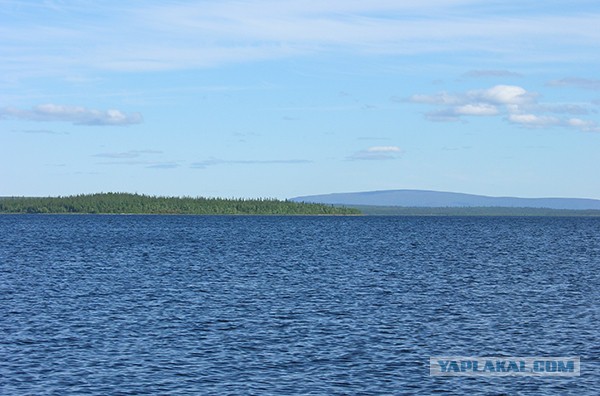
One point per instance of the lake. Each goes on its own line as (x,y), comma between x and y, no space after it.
(182,305)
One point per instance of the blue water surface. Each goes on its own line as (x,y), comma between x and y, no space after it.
(183,305)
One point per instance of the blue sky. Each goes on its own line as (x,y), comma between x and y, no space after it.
(284,98)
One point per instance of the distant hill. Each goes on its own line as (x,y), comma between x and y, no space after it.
(438,199)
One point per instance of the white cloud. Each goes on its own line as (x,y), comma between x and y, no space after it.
(517,104)
(503,95)
(74,114)
(477,109)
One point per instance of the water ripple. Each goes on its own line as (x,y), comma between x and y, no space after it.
(292,305)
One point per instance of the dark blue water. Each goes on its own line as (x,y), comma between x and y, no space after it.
(292,305)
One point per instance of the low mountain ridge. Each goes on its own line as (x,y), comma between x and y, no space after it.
(427,198)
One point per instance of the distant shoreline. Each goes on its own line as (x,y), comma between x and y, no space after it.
(182,214)
(484,211)
(394,212)
(126,204)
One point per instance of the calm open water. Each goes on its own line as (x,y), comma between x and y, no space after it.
(292,305)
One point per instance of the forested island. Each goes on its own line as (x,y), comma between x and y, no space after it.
(125,203)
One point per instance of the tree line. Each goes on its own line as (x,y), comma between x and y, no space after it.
(126,203)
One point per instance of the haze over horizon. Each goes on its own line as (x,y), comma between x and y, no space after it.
(289,98)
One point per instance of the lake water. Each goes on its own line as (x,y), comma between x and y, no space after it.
(292,305)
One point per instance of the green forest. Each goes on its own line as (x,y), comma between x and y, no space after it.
(124,203)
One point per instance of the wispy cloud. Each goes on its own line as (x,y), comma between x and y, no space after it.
(565,108)
(376,153)
(533,120)
(514,103)
(491,73)
(584,125)
(39,132)
(126,162)
(127,154)
(482,102)
(585,83)
(214,161)
(164,165)
(145,163)
(137,158)
(471,109)
(74,114)
(191,34)
(538,121)
(372,138)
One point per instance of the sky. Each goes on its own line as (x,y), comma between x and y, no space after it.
(282,98)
